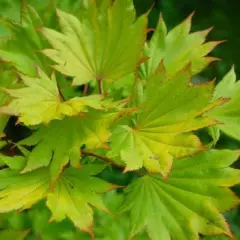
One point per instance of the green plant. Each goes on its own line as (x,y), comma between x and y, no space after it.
(97,97)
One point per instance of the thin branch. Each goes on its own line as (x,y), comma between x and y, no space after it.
(85,89)
(99,81)
(107,160)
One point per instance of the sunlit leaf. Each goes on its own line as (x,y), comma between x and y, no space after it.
(23,190)
(40,101)
(103,42)
(177,48)
(74,194)
(162,130)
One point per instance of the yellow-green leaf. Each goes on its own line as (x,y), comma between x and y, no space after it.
(103,42)
(74,194)
(22,191)
(60,141)
(176,49)
(170,111)
(40,101)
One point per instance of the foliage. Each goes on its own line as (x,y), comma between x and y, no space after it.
(119,141)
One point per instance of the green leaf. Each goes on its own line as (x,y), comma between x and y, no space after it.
(189,202)
(116,225)
(176,49)
(215,134)
(73,194)
(228,114)
(22,191)
(7,176)
(13,234)
(15,163)
(169,112)
(40,101)
(20,50)
(103,42)
(70,135)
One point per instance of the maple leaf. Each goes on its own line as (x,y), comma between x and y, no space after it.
(116,225)
(73,194)
(214,132)
(40,101)
(22,191)
(15,163)
(169,111)
(94,45)
(177,48)
(229,113)
(20,49)
(71,134)
(189,202)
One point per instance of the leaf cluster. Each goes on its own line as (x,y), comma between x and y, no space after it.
(98,97)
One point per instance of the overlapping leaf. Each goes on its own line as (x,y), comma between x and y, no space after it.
(103,43)
(229,113)
(21,48)
(15,163)
(114,226)
(189,202)
(169,111)
(22,191)
(40,101)
(176,49)
(7,79)
(73,194)
(60,142)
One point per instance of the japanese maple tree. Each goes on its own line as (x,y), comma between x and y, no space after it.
(96,95)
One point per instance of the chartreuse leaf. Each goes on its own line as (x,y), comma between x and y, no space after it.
(13,234)
(73,194)
(176,49)
(214,132)
(60,142)
(20,50)
(103,42)
(229,113)
(7,79)
(189,202)
(22,191)
(40,101)
(15,163)
(169,112)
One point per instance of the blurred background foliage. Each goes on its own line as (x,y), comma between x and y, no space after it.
(223,15)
